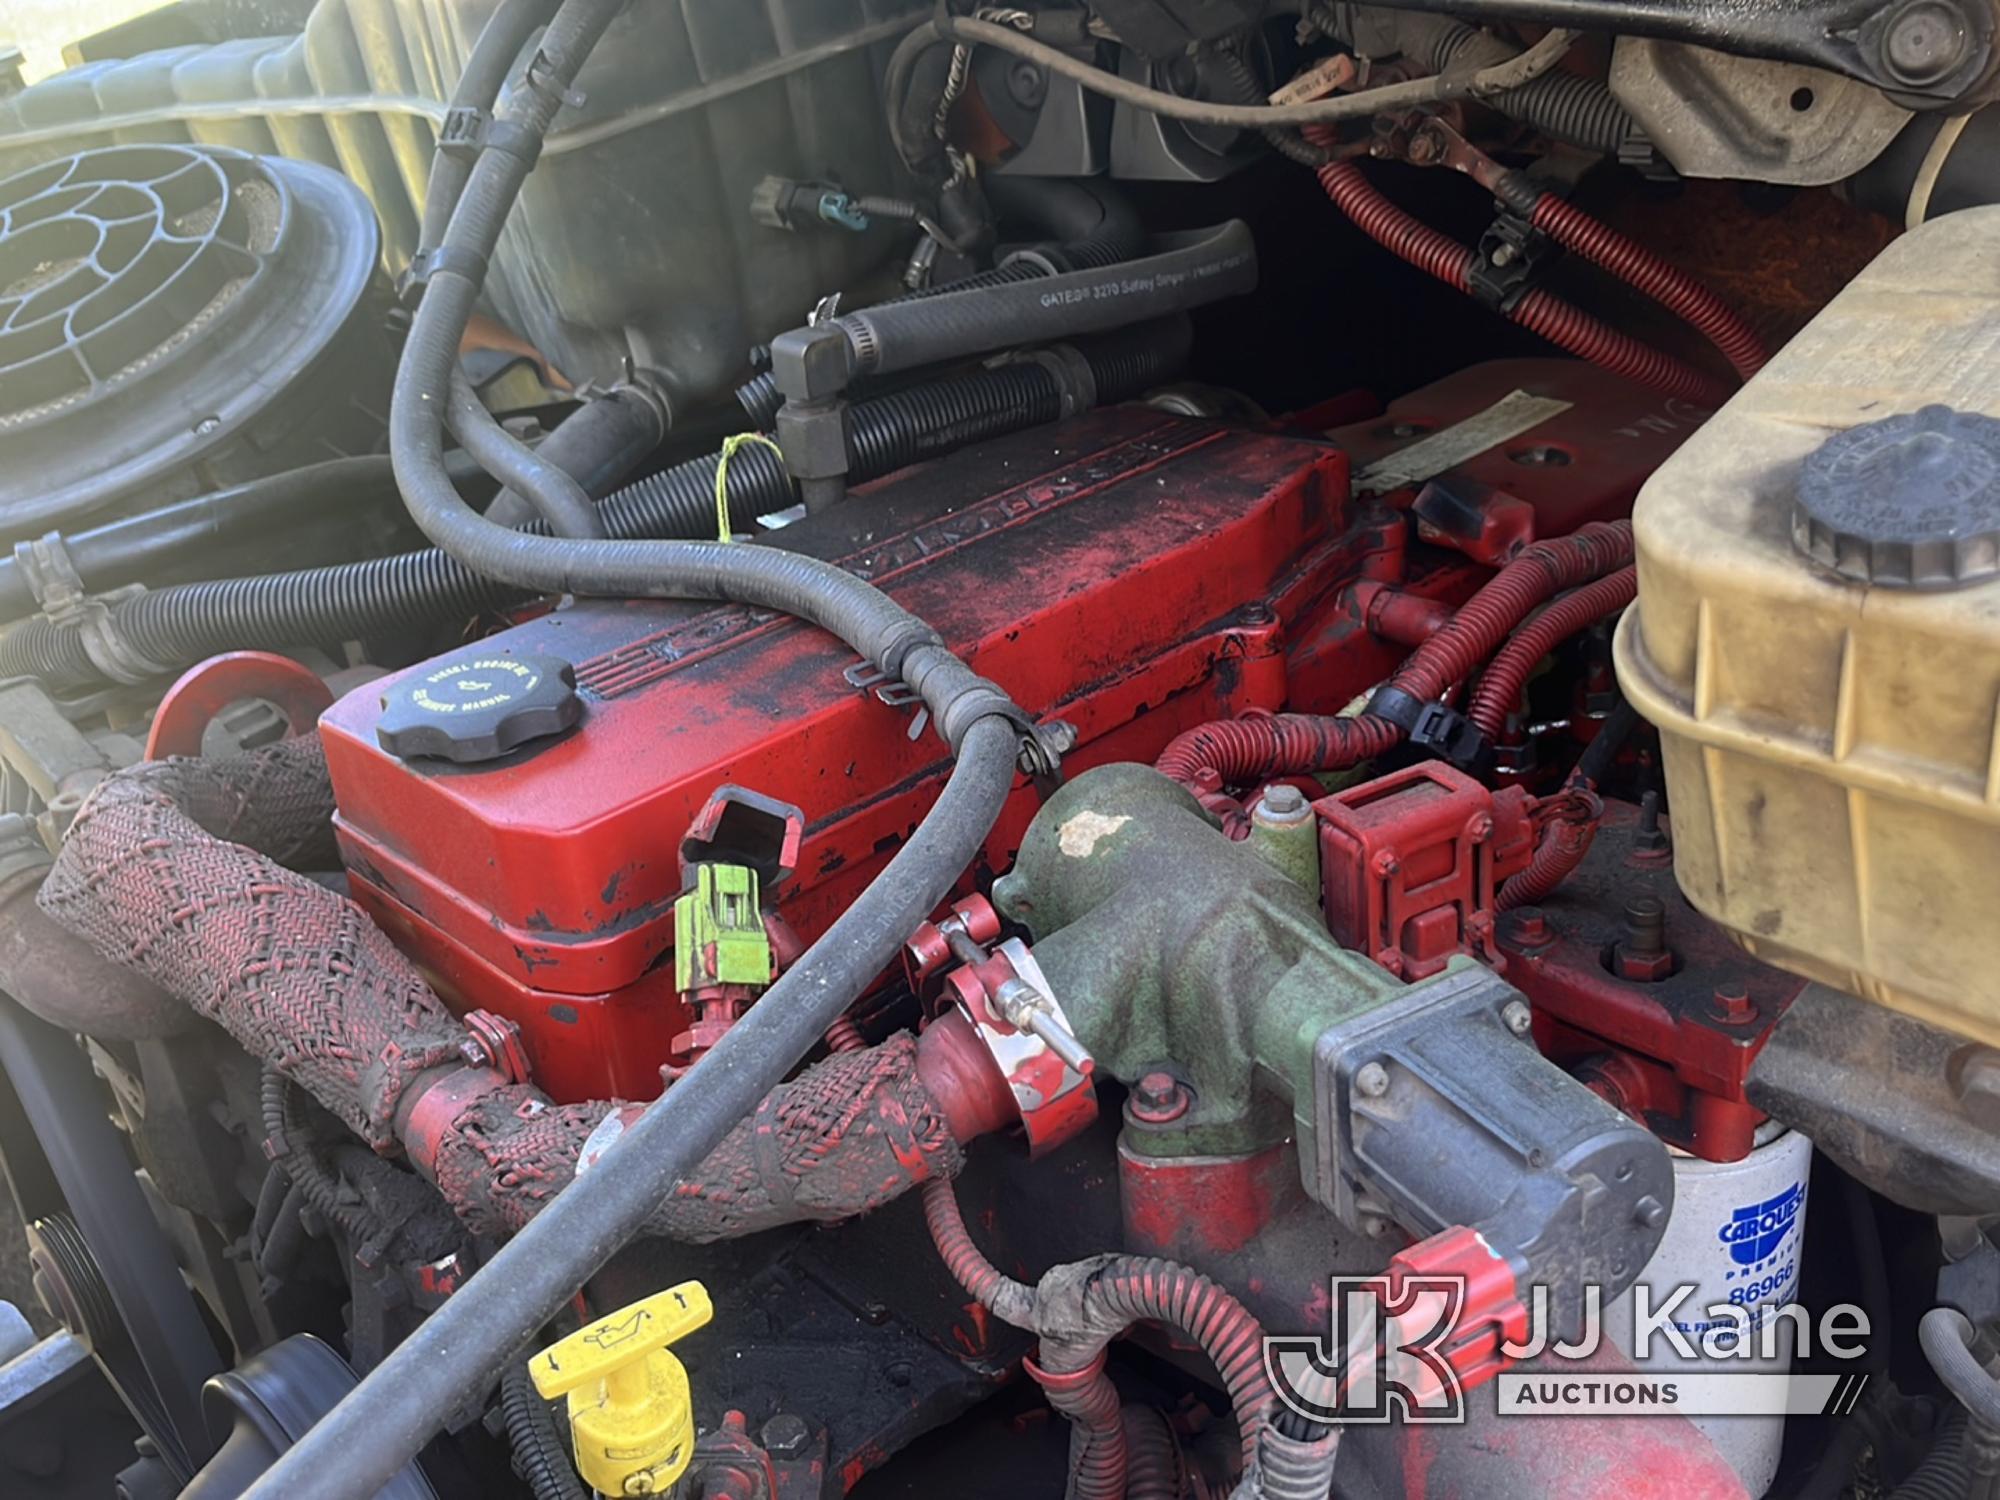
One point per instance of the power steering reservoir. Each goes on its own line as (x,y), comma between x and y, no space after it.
(1817,637)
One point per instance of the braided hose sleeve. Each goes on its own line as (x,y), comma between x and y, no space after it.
(846,1136)
(1247,750)
(1499,690)
(1564,844)
(311,987)
(1668,285)
(177,869)
(1542,313)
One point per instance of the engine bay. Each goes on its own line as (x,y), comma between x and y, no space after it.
(1146,750)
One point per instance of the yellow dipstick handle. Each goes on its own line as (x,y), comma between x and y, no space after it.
(629,1412)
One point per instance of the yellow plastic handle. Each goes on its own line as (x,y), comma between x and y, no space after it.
(623,1339)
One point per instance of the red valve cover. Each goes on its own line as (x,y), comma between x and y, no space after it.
(1103,581)
(1132,573)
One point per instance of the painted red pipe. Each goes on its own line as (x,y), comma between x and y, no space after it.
(1561,323)
(1499,690)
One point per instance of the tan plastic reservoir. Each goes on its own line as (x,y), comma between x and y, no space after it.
(1818,639)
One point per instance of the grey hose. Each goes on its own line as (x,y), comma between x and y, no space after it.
(1184,271)
(553,494)
(367,1438)
(1947,1337)
(598,444)
(500,41)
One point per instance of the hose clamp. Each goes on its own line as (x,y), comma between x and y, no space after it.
(110,650)
(51,574)
(1067,365)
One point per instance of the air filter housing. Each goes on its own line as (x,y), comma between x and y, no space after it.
(177,318)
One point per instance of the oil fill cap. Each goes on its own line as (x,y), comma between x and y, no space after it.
(478,706)
(1909,502)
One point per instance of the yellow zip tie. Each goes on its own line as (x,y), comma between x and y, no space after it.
(729,446)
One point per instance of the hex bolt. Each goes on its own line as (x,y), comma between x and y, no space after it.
(1531,928)
(1518,1018)
(1371,1081)
(785,1436)
(1976,1081)
(1732,1002)
(1158,1098)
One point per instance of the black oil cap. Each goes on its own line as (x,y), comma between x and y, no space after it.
(478,706)
(1911,501)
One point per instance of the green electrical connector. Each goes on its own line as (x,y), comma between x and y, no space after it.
(719,933)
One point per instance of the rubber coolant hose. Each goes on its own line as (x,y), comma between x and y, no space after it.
(1185,271)
(1082,226)
(598,444)
(500,41)
(547,488)
(412,590)
(400,1404)
(1946,1335)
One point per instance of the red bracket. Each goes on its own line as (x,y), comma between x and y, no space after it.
(209,687)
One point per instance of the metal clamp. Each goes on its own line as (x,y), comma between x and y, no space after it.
(1023,1027)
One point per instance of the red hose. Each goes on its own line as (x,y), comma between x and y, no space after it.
(1559,322)
(1251,749)
(1499,690)
(1666,284)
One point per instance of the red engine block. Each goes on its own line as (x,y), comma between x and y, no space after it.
(1132,573)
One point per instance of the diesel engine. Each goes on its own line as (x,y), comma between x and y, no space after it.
(1143,750)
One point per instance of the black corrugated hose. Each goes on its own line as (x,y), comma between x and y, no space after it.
(539,1451)
(182,624)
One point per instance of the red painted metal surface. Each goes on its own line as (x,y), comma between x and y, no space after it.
(1104,583)
(1132,573)
(1673,1044)
(208,687)
(1410,863)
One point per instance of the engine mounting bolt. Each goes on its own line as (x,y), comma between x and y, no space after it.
(785,1436)
(1372,1081)
(1158,1098)
(1732,1001)
(1518,1018)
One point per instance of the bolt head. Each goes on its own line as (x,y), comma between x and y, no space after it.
(785,1436)
(1372,1081)
(1283,800)
(1517,1017)
(1158,1098)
